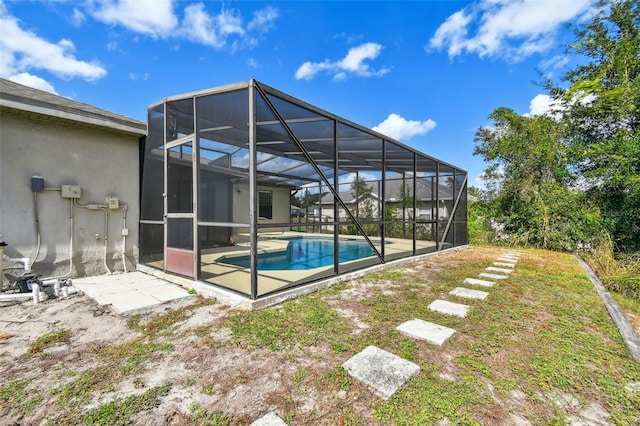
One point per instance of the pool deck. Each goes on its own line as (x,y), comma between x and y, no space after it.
(215,271)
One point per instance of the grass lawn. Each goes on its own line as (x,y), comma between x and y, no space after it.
(541,349)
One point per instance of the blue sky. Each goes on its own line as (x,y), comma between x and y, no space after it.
(426,73)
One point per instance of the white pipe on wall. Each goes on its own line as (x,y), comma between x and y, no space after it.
(37,225)
(25,262)
(124,238)
(106,236)
(106,226)
(35,290)
(71,203)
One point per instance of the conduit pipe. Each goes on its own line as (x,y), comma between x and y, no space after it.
(37,223)
(106,237)
(124,238)
(71,202)
(106,227)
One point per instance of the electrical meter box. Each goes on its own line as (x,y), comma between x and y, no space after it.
(113,203)
(71,191)
(37,183)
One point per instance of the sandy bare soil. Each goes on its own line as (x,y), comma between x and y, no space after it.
(243,384)
(201,369)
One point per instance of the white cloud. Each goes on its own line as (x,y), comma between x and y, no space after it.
(400,128)
(198,26)
(511,29)
(153,17)
(229,23)
(552,65)
(253,63)
(349,38)
(542,104)
(263,20)
(135,76)
(309,69)
(351,177)
(33,81)
(352,64)
(157,18)
(77,18)
(23,51)
(555,63)
(452,32)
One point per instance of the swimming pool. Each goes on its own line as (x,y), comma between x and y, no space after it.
(305,253)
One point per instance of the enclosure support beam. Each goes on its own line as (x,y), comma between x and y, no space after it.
(253,191)
(311,161)
(453,212)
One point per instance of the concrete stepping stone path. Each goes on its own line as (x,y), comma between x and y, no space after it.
(493,276)
(468,293)
(505,264)
(501,270)
(269,419)
(449,308)
(507,259)
(475,281)
(425,330)
(382,371)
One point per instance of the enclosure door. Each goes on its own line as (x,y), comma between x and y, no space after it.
(179,216)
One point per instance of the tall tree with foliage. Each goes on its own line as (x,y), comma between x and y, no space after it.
(558,179)
(602,110)
(362,193)
(527,157)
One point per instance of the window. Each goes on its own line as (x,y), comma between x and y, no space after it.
(265,204)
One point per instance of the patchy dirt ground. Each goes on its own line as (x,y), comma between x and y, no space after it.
(206,374)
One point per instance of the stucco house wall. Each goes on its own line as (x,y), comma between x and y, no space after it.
(67,143)
(281,204)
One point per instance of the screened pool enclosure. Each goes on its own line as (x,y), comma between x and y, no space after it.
(252,190)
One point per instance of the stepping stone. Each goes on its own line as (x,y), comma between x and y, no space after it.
(505,264)
(493,276)
(467,293)
(382,371)
(424,330)
(475,281)
(269,419)
(507,259)
(449,308)
(502,270)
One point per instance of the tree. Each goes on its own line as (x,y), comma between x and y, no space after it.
(601,108)
(362,193)
(528,163)
(364,208)
(555,181)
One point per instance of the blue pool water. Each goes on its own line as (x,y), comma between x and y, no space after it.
(306,253)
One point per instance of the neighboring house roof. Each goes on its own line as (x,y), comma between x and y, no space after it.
(23,98)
